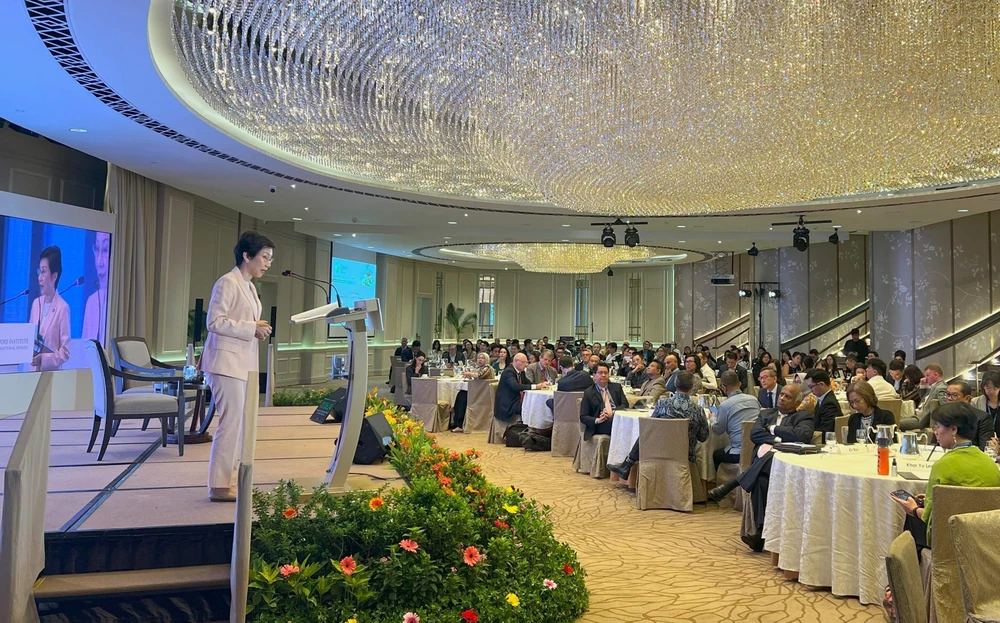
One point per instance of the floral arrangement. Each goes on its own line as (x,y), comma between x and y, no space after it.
(304,398)
(450,548)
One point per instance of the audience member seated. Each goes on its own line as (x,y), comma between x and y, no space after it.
(404,352)
(600,401)
(625,365)
(786,423)
(827,406)
(937,389)
(655,385)
(503,360)
(767,395)
(793,366)
(435,352)
(678,406)
(483,372)
(661,353)
(829,365)
(592,364)
(763,358)
(965,465)
(670,370)
(860,372)
(417,368)
(856,345)
(850,362)
(910,385)
(876,373)
(572,380)
(864,401)
(709,381)
(453,356)
(732,357)
(542,370)
(692,364)
(637,375)
(961,391)
(900,355)
(469,350)
(647,351)
(896,369)
(507,405)
(989,401)
(613,357)
(734,410)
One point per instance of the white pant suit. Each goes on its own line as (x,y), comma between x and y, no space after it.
(229,356)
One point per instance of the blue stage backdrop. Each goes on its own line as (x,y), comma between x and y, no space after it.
(73,301)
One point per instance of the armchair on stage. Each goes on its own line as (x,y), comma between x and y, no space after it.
(366,316)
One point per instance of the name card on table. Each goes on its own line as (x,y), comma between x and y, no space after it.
(17,343)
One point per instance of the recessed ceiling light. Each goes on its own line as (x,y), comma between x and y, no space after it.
(859,211)
(295,218)
(963,210)
(337,235)
(505,268)
(565,224)
(467,214)
(453,261)
(293,185)
(258,201)
(371,247)
(79,130)
(453,222)
(720,242)
(682,226)
(682,241)
(770,229)
(307,207)
(447,237)
(565,240)
(354,235)
(836,226)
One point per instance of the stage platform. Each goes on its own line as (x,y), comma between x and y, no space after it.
(140,484)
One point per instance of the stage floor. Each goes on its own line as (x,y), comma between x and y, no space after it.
(137,485)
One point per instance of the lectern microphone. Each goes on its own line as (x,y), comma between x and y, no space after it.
(14,298)
(78,282)
(315,282)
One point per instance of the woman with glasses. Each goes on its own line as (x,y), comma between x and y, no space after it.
(50,313)
(866,414)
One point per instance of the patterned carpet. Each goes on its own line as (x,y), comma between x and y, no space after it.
(661,565)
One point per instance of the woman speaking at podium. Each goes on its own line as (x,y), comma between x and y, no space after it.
(50,313)
(230,355)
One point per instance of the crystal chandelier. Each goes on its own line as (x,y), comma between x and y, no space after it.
(561,258)
(610,106)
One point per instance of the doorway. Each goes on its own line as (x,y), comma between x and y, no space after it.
(425,321)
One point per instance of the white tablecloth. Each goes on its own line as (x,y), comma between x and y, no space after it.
(448,388)
(625,432)
(534,412)
(830,518)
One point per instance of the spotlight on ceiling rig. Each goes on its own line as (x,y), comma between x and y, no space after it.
(834,238)
(800,235)
(631,236)
(608,236)
(753,251)
(744,293)
(611,273)
(774,294)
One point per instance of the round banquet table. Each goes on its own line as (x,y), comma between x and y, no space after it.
(625,432)
(448,388)
(830,518)
(534,412)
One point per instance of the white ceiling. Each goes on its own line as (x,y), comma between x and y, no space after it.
(36,92)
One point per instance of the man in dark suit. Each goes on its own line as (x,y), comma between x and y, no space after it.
(647,352)
(827,405)
(786,423)
(507,405)
(671,366)
(961,391)
(856,345)
(572,380)
(600,402)
(454,355)
(732,358)
(767,395)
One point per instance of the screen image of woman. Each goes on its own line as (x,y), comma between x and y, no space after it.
(95,312)
(50,313)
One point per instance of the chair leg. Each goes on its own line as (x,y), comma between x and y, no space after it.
(145,423)
(93,433)
(163,431)
(108,425)
(114,429)
(179,429)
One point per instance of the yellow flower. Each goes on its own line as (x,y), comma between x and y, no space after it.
(510,489)
(375,390)
(369,412)
(513,600)
(352,620)
(510,509)
(391,420)
(387,412)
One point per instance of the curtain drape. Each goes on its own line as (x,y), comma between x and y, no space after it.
(132,199)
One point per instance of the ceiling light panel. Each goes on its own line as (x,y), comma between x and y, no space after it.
(664,108)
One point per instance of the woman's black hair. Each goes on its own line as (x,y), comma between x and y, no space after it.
(54,258)
(251,243)
(960,415)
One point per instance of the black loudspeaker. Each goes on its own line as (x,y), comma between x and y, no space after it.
(199,318)
(333,405)
(376,434)
(274,324)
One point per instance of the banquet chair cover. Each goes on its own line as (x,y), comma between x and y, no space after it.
(239,573)
(426,407)
(893,405)
(748,450)
(565,423)
(903,570)
(592,456)
(665,476)
(950,501)
(840,427)
(498,428)
(978,560)
(401,396)
(479,412)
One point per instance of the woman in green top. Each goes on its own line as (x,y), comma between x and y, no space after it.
(955,425)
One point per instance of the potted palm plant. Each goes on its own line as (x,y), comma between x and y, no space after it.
(458,321)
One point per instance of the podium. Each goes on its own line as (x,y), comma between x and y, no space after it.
(365,316)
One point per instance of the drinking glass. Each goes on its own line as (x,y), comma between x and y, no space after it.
(862,435)
(830,439)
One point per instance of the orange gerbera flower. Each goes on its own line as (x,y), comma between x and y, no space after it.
(376,503)
(409,545)
(471,556)
(290,512)
(347,565)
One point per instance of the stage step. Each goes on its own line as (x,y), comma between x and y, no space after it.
(144,582)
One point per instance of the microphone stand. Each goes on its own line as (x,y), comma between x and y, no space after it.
(314,282)
(78,282)
(14,298)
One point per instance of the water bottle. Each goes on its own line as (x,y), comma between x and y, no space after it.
(883,456)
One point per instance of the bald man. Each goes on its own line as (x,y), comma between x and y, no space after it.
(513,381)
(786,423)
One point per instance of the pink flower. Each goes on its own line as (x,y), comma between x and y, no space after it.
(383,559)
(347,565)
(549,584)
(411,617)
(287,570)
(409,545)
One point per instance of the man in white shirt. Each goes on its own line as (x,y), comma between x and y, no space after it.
(876,378)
